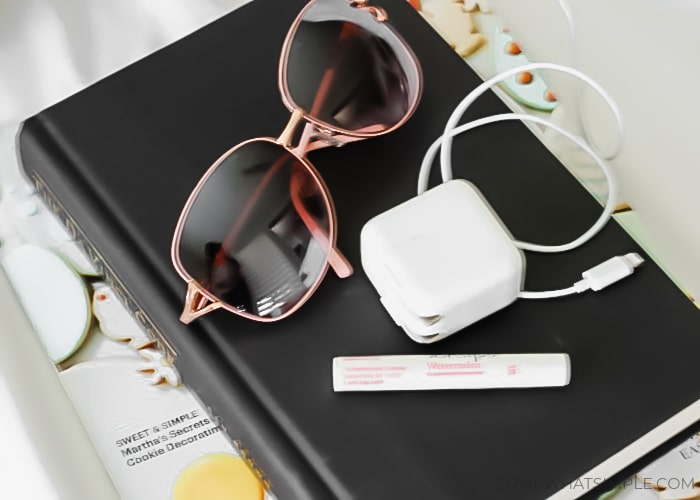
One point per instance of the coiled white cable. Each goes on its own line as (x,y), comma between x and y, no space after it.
(452,129)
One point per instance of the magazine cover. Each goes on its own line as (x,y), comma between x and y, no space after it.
(156,439)
(674,476)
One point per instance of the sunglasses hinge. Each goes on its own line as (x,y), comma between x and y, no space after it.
(196,304)
(326,136)
(379,14)
(329,141)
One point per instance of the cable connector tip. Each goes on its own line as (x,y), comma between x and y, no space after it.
(634,259)
(609,272)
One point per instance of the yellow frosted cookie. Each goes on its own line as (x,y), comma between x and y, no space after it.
(218,476)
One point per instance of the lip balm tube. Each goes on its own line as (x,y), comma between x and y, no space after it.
(450,371)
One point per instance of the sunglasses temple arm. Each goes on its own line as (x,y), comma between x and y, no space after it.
(338,262)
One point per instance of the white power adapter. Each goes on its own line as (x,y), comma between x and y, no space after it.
(441,261)
(444,260)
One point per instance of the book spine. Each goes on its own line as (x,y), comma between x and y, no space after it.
(278,464)
(104,269)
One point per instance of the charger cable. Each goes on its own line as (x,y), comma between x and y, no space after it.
(599,276)
(596,278)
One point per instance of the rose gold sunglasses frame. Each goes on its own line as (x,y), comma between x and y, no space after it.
(315,135)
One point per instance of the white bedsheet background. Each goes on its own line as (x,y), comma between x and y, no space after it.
(50,49)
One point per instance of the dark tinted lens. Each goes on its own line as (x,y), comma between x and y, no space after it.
(247,237)
(349,70)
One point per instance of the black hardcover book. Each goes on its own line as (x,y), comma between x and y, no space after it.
(119,159)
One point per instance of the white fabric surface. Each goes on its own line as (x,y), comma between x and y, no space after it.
(50,49)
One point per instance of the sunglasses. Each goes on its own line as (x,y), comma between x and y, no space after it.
(258,233)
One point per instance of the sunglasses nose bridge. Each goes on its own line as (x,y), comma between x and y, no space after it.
(287,135)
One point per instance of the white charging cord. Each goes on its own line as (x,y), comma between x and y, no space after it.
(609,176)
(444,143)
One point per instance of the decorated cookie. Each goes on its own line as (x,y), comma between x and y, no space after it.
(218,476)
(477,5)
(527,87)
(455,25)
(416,4)
(115,321)
(160,368)
(54,297)
(35,224)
